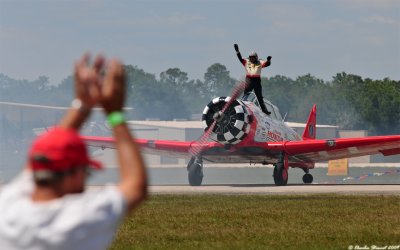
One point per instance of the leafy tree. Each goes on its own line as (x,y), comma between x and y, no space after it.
(62,94)
(174,84)
(379,106)
(151,98)
(314,91)
(144,92)
(347,88)
(24,91)
(217,80)
(348,100)
(195,96)
(174,77)
(278,89)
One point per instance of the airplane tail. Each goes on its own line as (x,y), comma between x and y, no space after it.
(311,127)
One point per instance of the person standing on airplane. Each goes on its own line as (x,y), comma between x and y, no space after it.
(253,68)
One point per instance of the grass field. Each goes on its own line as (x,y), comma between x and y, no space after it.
(262,222)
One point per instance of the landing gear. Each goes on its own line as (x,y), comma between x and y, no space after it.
(195,171)
(280,175)
(281,171)
(307,177)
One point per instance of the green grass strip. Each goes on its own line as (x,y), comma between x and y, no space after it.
(261,222)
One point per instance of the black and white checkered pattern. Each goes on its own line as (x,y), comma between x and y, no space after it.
(238,126)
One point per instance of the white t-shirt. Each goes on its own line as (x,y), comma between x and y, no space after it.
(77,221)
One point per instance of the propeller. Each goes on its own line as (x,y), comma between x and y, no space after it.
(198,146)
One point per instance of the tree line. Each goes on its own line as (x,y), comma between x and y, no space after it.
(348,100)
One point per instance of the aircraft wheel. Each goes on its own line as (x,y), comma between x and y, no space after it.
(308,178)
(280,175)
(195,173)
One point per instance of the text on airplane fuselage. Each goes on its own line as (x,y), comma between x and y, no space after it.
(275,136)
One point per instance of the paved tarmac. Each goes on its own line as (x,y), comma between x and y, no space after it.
(250,176)
(279,190)
(376,180)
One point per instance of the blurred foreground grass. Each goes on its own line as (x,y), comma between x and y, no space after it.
(261,222)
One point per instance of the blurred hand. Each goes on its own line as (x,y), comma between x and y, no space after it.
(269,58)
(87,80)
(236,47)
(113,87)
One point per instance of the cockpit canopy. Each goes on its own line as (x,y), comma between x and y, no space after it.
(275,114)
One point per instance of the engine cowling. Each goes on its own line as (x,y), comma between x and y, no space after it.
(232,126)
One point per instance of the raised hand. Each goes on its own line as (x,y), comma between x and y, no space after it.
(87,80)
(113,87)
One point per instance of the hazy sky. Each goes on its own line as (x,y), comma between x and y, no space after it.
(320,37)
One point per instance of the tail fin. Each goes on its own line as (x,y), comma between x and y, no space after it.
(311,127)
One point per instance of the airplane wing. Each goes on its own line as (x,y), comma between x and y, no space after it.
(331,149)
(308,151)
(179,149)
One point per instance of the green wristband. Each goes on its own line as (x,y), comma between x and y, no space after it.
(115,118)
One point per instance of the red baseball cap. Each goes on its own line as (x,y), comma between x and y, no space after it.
(60,150)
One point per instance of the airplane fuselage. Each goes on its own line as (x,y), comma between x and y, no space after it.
(268,129)
(244,122)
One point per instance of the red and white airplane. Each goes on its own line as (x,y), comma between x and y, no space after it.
(237,131)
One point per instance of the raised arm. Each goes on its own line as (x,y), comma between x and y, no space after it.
(133,178)
(87,90)
(268,62)
(241,60)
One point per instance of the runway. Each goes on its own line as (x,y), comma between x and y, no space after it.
(278,190)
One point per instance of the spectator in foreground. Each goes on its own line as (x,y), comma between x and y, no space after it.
(47,206)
